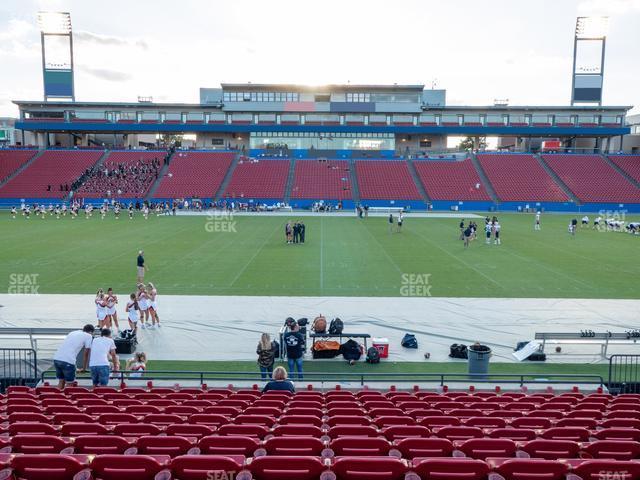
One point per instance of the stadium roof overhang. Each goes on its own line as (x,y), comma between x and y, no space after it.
(332,88)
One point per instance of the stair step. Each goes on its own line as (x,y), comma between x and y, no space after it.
(557,179)
(290,178)
(418,182)
(227,177)
(484,178)
(161,175)
(613,165)
(353,178)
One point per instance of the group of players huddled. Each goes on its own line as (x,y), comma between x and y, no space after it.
(76,208)
(142,307)
(492,229)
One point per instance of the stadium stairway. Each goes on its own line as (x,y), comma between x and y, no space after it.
(416,179)
(99,163)
(613,165)
(290,179)
(484,178)
(557,179)
(21,168)
(355,190)
(161,175)
(227,178)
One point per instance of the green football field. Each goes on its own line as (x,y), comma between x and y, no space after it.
(342,256)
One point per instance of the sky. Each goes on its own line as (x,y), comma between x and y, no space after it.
(478,50)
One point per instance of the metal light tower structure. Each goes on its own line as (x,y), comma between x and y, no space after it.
(590,37)
(57,74)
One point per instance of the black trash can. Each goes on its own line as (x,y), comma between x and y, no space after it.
(479,356)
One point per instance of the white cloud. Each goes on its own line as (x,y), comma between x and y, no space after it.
(105,73)
(109,40)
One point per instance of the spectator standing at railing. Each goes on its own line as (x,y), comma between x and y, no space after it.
(103,349)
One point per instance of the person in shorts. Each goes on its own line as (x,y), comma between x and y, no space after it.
(64,360)
(103,349)
(141,266)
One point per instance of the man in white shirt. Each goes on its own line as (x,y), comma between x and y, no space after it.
(102,349)
(64,360)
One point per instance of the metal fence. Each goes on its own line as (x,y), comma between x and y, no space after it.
(18,366)
(624,374)
(359,378)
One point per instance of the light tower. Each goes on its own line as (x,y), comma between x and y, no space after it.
(57,55)
(588,60)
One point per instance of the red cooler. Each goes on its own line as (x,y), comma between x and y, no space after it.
(382,344)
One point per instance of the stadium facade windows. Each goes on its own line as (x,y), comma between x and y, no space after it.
(260,97)
(324,141)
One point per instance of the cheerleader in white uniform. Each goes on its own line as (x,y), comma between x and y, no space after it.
(153,304)
(143,304)
(133,312)
(112,301)
(101,309)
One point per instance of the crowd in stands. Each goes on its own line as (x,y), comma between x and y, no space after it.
(116,179)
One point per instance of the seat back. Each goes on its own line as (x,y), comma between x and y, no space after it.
(163,445)
(599,469)
(451,468)
(286,468)
(373,468)
(291,445)
(125,467)
(228,445)
(359,446)
(101,444)
(45,467)
(424,447)
(481,448)
(204,467)
(551,449)
(529,469)
(36,444)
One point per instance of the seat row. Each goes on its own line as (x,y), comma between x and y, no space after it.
(247,446)
(200,467)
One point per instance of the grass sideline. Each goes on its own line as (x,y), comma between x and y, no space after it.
(334,367)
(343,256)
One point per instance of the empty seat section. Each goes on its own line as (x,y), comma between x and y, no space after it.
(451,180)
(385,180)
(52,169)
(321,180)
(258,179)
(592,179)
(630,164)
(194,174)
(520,178)
(11,160)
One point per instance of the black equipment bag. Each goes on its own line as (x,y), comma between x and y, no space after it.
(336,326)
(458,351)
(303,322)
(351,350)
(125,345)
(409,341)
(373,355)
(276,349)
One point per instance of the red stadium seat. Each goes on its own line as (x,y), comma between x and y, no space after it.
(441,421)
(228,445)
(209,419)
(486,422)
(378,468)
(288,419)
(290,445)
(45,467)
(531,422)
(590,423)
(28,417)
(577,434)
(115,418)
(181,410)
(75,429)
(348,420)
(398,432)
(255,420)
(101,444)
(353,430)
(61,418)
(204,467)
(297,430)
(458,433)
(612,469)
(615,449)
(259,431)
(618,433)
(162,419)
(313,412)
(515,434)
(125,467)
(481,448)
(360,446)
(38,444)
(189,430)
(424,447)
(450,468)
(286,468)
(164,445)
(33,428)
(532,469)
(136,429)
(551,449)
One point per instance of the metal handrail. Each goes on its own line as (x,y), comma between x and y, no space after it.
(362,378)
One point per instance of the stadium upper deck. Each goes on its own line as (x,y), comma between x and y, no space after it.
(335,117)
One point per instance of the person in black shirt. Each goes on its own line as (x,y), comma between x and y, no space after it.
(467,236)
(391,223)
(302,231)
(279,382)
(296,232)
(462,229)
(294,342)
(141,267)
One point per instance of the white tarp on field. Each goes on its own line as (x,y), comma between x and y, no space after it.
(228,328)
